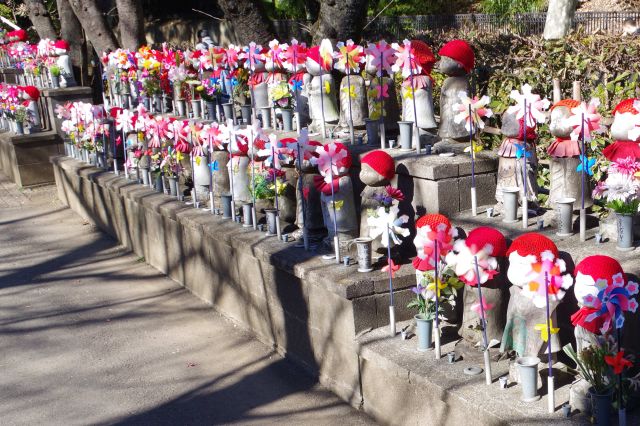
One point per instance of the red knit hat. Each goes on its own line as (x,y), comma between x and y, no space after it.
(482,236)
(599,267)
(626,106)
(424,55)
(381,162)
(461,52)
(114,112)
(31,91)
(433,220)
(569,103)
(314,54)
(61,44)
(532,244)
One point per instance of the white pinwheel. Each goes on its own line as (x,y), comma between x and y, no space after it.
(585,117)
(387,225)
(471,111)
(124,121)
(535,106)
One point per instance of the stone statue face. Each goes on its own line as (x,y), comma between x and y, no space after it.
(510,125)
(557,126)
(622,123)
(584,286)
(368,67)
(519,269)
(370,177)
(450,67)
(313,67)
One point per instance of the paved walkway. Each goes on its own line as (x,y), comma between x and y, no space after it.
(89,334)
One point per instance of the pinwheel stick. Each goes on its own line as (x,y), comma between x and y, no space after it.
(112,138)
(253,181)
(483,324)
(622,412)
(305,231)
(474,202)
(525,200)
(351,134)
(550,382)
(392,309)
(383,137)
(194,195)
(296,95)
(124,146)
(583,212)
(416,135)
(336,239)
(323,124)
(233,195)
(437,291)
(210,164)
(275,185)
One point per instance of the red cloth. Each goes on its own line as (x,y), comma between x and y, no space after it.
(561,148)
(256,79)
(324,187)
(424,56)
(579,319)
(622,150)
(461,52)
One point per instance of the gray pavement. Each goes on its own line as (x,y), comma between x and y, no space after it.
(90,334)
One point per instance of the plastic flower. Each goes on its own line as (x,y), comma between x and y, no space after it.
(387,225)
(471,111)
(627,165)
(382,57)
(535,106)
(620,187)
(391,267)
(585,115)
(618,362)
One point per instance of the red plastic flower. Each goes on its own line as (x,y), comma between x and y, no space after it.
(394,193)
(393,267)
(618,362)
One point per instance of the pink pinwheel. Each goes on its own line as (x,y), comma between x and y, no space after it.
(179,132)
(587,116)
(275,55)
(479,110)
(124,121)
(330,160)
(558,283)
(142,117)
(382,56)
(612,302)
(232,56)
(295,56)
(425,241)
(481,306)
(211,136)
(157,130)
(405,60)
(307,149)
(391,266)
(251,56)
(349,57)
(275,152)
(535,106)
(63,111)
(194,138)
(382,90)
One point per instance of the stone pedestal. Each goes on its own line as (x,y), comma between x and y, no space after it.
(566,182)
(25,159)
(10,75)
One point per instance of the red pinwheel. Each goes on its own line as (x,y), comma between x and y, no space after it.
(618,362)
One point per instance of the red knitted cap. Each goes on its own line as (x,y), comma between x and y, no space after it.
(314,54)
(31,91)
(626,106)
(599,267)
(61,44)
(461,52)
(381,162)
(433,220)
(424,55)
(532,244)
(483,235)
(569,103)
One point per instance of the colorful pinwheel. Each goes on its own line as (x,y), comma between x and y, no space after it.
(326,55)
(295,56)
(471,111)
(251,56)
(387,225)
(330,160)
(124,121)
(382,56)
(612,302)
(535,106)
(405,60)
(275,55)
(558,282)
(349,57)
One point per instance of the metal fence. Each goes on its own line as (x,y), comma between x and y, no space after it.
(399,27)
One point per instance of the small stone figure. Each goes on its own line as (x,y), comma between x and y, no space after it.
(321,89)
(625,120)
(511,163)
(204,40)
(336,188)
(238,168)
(295,63)
(253,57)
(31,94)
(381,95)
(489,247)
(61,50)
(353,97)
(564,154)
(530,256)
(456,62)
(377,171)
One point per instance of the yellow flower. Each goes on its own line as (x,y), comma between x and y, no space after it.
(432,286)
(338,204)
(476,148)
(200,88)
(280,91)
(179,156)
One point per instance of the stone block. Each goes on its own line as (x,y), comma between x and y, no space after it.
(485,190)
(436,196)
(55,97)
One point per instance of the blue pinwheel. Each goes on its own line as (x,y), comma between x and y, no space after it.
(589,162)
(234,81)
(214,166)
(522,150)
(296,85)
(612,302)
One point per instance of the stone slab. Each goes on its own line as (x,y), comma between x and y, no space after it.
(25,158)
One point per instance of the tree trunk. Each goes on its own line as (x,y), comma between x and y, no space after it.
(40,18)
(559,18)
(95,25)
(131,23)
(71,31)
(249,20)
(340,20)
